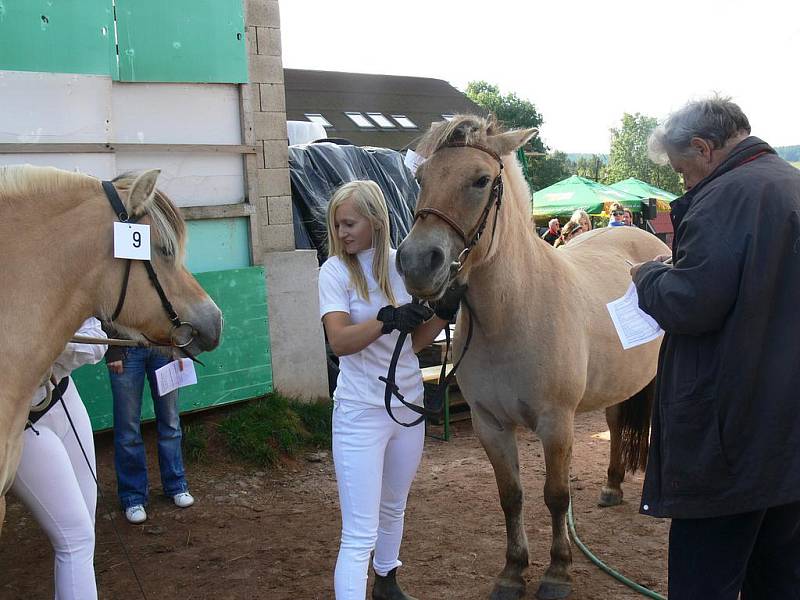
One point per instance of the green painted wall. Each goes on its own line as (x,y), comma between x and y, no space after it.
(240,368)
(218,244)
(182,40)
(158,40)
(57,37)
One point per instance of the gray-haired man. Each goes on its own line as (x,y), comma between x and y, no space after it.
(724,459)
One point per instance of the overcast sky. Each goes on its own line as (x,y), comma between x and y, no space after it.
(582,63)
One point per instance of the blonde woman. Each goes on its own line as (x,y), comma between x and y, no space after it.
(364,307)
(582,218)
(569,231)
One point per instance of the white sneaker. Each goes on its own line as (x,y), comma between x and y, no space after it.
(136,514)
(183,500)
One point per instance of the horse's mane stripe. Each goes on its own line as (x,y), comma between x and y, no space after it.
(18,180)
(470,129)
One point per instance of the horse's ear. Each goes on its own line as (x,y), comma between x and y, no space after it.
(506,143)
(141,192)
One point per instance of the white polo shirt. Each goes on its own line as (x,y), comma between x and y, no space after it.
(358,384)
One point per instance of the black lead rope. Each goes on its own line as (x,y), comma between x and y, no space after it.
(435,407)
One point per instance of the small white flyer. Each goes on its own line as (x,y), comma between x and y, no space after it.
(131,240)
(413,161)
(634,326)
(179,373)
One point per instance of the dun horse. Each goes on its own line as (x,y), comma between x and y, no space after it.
(544,346)
(57,268)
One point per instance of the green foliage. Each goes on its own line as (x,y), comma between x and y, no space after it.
(510,110)
(548,169)
(591,166)
(628,157)
(194,442)
(275,426)
(789,153)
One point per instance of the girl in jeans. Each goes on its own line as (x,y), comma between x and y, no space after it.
(128,368)
(364,307)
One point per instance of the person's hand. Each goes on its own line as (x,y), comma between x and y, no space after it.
(446,307)
(405,318)
(662,258)
(116,366)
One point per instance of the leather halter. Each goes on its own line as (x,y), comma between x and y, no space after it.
(495,198)
(177,324)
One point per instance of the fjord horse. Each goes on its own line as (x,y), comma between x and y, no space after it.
(57,268)
(544,346)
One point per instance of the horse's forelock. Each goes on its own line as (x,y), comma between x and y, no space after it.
(469,129)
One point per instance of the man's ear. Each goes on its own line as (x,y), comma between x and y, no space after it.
(702,147)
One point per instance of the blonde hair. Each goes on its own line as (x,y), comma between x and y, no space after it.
(369,202)
(580,214)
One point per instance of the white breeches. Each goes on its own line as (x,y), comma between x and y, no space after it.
(376,460)
(54,482)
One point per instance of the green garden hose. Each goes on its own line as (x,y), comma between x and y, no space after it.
(603,566)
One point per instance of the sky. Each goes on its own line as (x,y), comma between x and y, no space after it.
(582,63)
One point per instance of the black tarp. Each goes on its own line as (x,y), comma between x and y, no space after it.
(317,169)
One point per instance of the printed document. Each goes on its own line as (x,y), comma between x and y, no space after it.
(178,373)
(634,326)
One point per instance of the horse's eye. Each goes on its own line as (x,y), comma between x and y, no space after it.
(164,252)
(481,182)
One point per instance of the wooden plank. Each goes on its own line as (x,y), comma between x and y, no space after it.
(222,211)
(431,374)
(90,148)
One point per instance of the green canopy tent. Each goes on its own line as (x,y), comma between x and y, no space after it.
(565,197)
(640,188)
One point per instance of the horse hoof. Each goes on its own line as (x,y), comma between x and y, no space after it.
(609,497)
(549,590)
(508,592)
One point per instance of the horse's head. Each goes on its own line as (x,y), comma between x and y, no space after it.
(461,182)
(141,309)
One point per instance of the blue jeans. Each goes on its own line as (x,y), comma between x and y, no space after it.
(129,454)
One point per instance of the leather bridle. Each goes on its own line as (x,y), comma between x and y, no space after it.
(495,199)
(182,333)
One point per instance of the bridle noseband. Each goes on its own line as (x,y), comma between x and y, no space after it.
(177,332)
(495,199)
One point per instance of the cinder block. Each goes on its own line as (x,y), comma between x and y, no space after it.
(269,41)
(277,237)
(265,69)
(280,210)
(273,14)
(276,154)
(270,125)
(250,37)
(257,13)
(273,97)
(274,182)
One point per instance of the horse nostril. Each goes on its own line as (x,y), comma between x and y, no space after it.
(437,259)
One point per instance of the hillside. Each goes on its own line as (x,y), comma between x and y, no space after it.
(790,153)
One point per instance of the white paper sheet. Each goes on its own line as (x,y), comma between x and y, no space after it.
(634,326)
(171,376)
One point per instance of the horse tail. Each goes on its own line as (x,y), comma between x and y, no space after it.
(634,418)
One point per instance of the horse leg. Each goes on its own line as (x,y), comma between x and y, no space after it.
(500,444)
(555,431)
(611,494)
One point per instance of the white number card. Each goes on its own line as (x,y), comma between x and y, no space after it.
(131,241)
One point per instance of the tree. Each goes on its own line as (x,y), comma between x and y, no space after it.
(548,169)
(510,110)
(591,167)
(628,157)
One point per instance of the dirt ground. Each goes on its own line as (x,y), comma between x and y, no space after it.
(274,534)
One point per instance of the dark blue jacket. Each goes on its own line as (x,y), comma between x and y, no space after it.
(726,426)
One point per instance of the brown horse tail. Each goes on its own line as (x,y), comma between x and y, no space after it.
(634,418)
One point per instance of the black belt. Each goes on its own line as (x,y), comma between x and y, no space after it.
(58,392)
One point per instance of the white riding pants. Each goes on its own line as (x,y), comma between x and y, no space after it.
(54,482)
(376,460)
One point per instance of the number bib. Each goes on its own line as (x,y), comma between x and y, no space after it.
(132,241)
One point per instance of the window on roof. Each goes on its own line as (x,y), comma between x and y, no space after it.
(381,120)
(404,122)
(448,117)
(318,118)
(360,120)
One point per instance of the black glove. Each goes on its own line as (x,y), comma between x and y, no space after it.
(404,318)
(446,307)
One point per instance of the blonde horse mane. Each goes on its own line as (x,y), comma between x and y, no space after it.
(29,180)
(470,129)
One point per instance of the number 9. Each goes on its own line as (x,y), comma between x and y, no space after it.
(137,239)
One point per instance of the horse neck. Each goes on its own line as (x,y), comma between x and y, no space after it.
(515,276)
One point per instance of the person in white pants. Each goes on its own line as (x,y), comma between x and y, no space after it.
(364,306)
(54,480)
